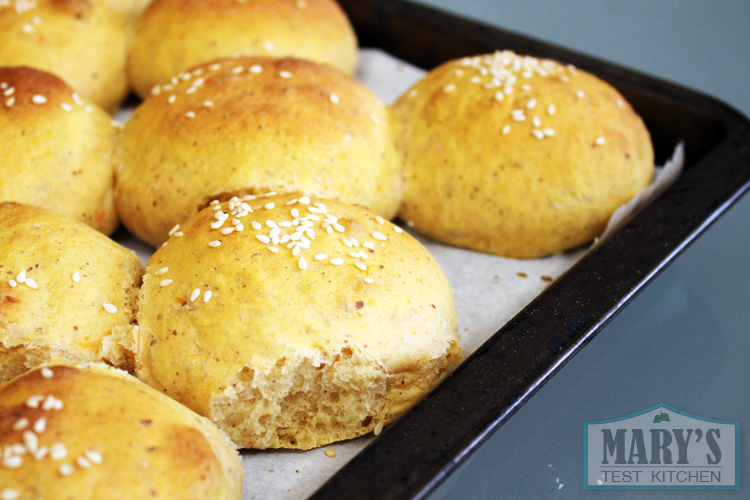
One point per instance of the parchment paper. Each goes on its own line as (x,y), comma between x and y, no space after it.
(488,291)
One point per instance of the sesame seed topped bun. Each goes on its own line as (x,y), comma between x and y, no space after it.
(81,41)
(95,432)
(173,35)
(517,156)
(57,148)
(67,292)
(253,125)
(297,321)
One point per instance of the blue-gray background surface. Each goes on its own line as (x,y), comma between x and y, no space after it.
(685,340)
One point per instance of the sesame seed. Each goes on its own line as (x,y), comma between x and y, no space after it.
(110,308)
(40,425)
(551,110)
(11,100)
(581,94)
(269,205)
(51,403)
(178,234)
(256,225)
(190,114)
(94,456)
(58,451)
(12,283)
(337,261)
(65,470)
(227,230)
(320,256)
(34,401)
(12,461)
(46,372)
(215,67)
(31,283)
(285,74)
(66,106)
(207,295)
(375,119)
(330,452)
(379,219)
(305,200)
(20,424)
(263,238)
(171,99)
(526,87)
(531,104)
(538,133)
(238,69)
(214,244)
(273,249)
(548,132)
(38,99)
(378,428)
(27,28)
(165,282)
(256,68)
(600,141)
(334,98)
(174,229)
(449,88)
(536,121)
(30,441)
(360,266)
(499,96)
(77,99)
(302,263)
(83,463)
(398,229)
(9,494)
(163,270)
(208,104)
(301,4)
(40,453)
(268,46)
(369,281)
(379,236)
(21,276)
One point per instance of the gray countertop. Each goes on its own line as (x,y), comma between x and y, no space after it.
(685,340)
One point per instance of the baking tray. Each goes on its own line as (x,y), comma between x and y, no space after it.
(414,455)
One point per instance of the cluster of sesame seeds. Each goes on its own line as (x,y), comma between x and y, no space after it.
(22,279)
(199,76)
(9,96)
(293,235)
(31,447)
(504,73)
(30,28)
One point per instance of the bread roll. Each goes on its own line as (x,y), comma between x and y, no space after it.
(67,292)
(81,41)
(252,125)
(57,148)
(173,35)
(517,156)
(93,432)
(297,321)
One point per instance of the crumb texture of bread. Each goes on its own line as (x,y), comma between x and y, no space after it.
(81,41)
(67,292)
(173,35)
(57,148)
(517,156)
(249,125)
(298,321)
(92,432)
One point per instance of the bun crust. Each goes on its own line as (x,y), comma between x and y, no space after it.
(56,310)
(173,35)
(57,149)
(81,41)
(295,348)
(93,432)
(250,125)
(517,156)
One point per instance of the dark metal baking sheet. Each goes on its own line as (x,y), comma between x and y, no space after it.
(411,457)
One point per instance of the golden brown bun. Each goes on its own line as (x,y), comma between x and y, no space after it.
(50,316)
(249,125)
(295,348)
(81,41)
(93,432)
(172,35)
(57,148)
(517,156)
(130,8)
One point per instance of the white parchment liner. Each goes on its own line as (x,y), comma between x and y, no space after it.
(488,291)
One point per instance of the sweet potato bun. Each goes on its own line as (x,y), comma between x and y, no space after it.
(67,292)
(173,35)
(253,125)
(94,432)
(517,156)
(57,148)
(81,41)
(296,321)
